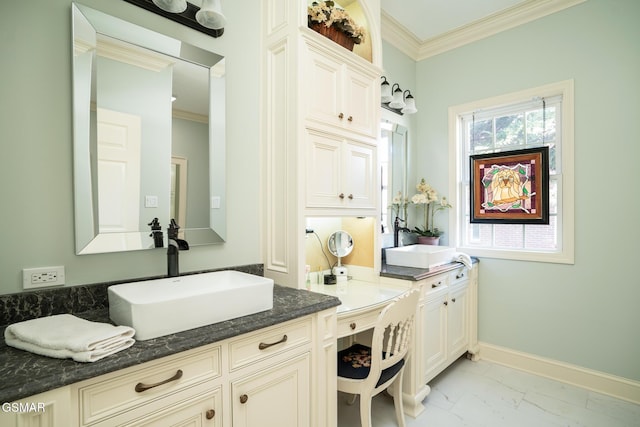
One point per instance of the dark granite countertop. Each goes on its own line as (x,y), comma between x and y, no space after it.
(25,374)
(415,274)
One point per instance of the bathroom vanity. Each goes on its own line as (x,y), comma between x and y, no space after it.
(447,325)
(277,366)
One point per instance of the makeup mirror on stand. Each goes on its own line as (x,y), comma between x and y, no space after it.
(340,244)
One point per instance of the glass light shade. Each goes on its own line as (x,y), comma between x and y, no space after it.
(210,15)
(410,105)
(397,101)
(173,6)
(385,92)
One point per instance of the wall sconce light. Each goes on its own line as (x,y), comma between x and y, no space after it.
(207,19)
(210,15)
(394,99)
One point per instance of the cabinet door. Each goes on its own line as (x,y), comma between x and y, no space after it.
(276,397)
(359,173)
(434,337)
(458,320)
(204,410)
(359,103)
(324,87)
(323,171)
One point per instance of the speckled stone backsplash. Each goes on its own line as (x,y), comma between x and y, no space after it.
(73,299)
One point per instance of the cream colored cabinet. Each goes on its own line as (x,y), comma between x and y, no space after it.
(278,396)
(49,409)
(340,172)
(283,375)
(340,93)
(182,387)
(445,330)
(432,330)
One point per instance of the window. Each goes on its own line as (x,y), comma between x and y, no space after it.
(537,117)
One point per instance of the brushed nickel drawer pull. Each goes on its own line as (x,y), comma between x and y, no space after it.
(460,276)
(210,414)
(353,326)
(263,346)
(140,387)
(244,398)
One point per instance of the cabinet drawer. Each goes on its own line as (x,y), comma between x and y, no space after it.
(459,275)
(358,323)
(115,395)
(433,284)
(266,343)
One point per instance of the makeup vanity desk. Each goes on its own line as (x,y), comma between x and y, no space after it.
(446,319)
(362,302)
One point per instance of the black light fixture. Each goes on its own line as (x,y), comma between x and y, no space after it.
(207,19)
(394,99)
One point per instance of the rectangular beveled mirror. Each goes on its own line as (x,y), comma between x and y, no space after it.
(149,136)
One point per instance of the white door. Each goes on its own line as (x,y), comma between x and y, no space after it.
(119,139)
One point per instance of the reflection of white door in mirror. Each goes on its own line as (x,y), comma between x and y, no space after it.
(178,209)
(118,171)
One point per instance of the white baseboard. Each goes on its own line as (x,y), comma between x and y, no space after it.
(621,388)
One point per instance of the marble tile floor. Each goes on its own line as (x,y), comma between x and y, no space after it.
(484,394)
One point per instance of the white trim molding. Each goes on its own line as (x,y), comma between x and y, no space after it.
(416,49)
(612,385)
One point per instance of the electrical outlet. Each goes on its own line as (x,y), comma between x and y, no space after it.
(42,277)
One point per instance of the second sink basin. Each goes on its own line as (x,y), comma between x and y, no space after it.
(161,307)
(420,256)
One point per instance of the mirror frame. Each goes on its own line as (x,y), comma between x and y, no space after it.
(401,128)
(86,210)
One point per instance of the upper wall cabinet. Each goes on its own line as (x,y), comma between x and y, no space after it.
(340,94)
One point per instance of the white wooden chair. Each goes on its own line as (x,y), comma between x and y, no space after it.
(367,371)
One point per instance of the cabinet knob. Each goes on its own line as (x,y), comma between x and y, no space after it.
(341,116)
(446,303)
(210,414)
(453,299)
(460,276)
(341,195)
(350,196)
(352,326)
(350,118)
(244,398)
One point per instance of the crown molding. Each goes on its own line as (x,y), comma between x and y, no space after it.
(130,54)
(410,45)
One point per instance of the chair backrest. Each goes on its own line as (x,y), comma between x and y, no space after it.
(393,333)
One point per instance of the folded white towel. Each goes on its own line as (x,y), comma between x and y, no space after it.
(463,258)
(67,336)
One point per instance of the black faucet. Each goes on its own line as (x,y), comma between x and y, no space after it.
(156,233)
(175,246)
(397,229)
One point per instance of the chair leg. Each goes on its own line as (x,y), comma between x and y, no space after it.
(397,398)
(351,399)
(365,410)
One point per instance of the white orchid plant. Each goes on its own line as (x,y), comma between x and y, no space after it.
(427,198)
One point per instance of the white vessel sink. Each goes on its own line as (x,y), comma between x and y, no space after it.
(165,306)
(420,256)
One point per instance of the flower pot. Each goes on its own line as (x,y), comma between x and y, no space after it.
(334,34)
(428,240)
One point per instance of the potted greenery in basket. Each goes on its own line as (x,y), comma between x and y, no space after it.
(427,197)
(334,23)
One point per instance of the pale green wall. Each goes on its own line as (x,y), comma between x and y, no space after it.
(584,314)
(36,217)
